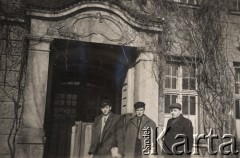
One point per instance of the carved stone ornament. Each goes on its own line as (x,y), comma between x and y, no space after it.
(88,25)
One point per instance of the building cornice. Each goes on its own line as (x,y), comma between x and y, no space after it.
(153,25)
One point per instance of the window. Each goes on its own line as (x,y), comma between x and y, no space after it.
(180,86)
(65,105)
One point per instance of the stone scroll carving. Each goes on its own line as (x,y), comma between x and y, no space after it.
(89,25)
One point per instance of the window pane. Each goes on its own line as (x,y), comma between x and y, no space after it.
(69,102)
(185,105)
(192,84)
(238,5)
(192,105)
(174,83)
(237,75)
(174,99)
(74,97)
(183,1)
(185,83)
(169,99)
(174,70)
(235,4)
(61,111)
(167,70)
(69,97)
(57,96)
(68,112)
(62,96)
(167,103)
(191,1)
(56,102)
(185,71)
(167,82)
(56,111)
(188,71)
(237,89)
(192,72)
(237,109)
(61,102)
(74,103)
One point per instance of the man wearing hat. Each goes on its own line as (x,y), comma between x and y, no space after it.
(103,133)
(137,131)
(177,125)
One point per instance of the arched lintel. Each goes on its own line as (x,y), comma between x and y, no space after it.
(103,6)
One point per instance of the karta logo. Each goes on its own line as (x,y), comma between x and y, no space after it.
(228,146)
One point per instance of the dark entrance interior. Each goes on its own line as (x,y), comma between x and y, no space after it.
(81,75)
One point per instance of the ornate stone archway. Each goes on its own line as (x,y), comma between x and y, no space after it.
(88,22)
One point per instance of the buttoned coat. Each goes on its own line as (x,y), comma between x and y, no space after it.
(103,148)
(132,134)
(179,125)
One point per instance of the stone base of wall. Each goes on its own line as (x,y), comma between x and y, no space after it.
(29,151)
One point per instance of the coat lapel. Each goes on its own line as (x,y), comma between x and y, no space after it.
(98,126)
(145,120)
(107,125)
(134,120)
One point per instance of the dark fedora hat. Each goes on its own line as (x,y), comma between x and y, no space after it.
(139,105)
(105,103)
(175,105)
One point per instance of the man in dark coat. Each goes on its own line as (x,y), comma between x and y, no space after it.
(139,140)
(175,126)
(103,133)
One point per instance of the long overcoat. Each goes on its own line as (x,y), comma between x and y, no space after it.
(132,134)
(179,125)
(103,148)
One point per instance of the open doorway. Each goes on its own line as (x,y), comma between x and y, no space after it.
(81,75)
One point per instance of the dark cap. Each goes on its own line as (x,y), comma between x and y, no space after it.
(139,105)
(105,103)
(175,105)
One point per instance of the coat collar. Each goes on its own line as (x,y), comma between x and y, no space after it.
(99,118)
(175,120)
(145,120)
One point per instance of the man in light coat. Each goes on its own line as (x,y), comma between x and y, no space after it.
(104,133)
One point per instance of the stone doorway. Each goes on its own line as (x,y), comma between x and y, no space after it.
(81,74)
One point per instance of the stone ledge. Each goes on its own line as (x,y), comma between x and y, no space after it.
(29,150)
